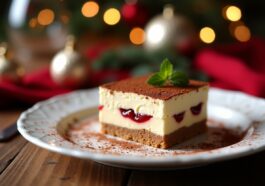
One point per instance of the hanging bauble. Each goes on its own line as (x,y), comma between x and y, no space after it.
(170,31)
(69,68)
(10,71)
(134,15)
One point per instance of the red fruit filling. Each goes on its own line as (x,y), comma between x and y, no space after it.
(137,117)
(179,117)
(196,110)
(100,107)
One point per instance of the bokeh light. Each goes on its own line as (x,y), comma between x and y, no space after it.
(242,33)
(155,33)
(90,9)
(45,17)
(233,25)
(112,16)
(128,11)
(207,35)
(33,22)
(232,13)
(64,18)
(137,36)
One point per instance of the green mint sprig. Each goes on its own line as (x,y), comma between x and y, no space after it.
(167,75)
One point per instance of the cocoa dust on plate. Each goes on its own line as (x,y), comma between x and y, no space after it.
(86,134)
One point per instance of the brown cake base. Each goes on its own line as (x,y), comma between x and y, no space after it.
(145,137)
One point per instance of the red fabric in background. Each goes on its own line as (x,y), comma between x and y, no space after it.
(239,66)
(34,87)
(39,86)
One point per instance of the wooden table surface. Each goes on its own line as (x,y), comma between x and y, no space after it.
(22,163)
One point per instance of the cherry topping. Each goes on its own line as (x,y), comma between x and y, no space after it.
(100,107)
(127,113)
(179,117)
(137,117)
(196,110)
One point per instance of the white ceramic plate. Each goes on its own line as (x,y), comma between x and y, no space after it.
(68,125)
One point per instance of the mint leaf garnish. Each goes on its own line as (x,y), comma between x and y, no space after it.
(166,75)
(179,79)
(166,68)
(156,80)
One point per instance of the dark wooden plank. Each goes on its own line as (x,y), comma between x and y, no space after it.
(36,166)
(9,150)
(244,171)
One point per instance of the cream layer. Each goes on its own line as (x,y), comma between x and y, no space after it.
(113,100)
(159,126)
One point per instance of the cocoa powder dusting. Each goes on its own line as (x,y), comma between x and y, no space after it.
(138,85)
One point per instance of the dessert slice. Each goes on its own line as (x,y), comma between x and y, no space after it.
(156,116)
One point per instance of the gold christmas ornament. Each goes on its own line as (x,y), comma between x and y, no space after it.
(169,31)
(9,70)
(68,68)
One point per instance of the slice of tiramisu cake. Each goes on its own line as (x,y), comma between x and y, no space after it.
(160,111)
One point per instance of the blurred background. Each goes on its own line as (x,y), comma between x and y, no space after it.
(52,47)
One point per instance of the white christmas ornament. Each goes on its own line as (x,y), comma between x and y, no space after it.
(68,67)
(168,31)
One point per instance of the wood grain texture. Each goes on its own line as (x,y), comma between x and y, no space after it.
(36,166)
(243,171)
(9,150)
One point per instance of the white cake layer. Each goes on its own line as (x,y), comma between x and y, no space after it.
(113,100)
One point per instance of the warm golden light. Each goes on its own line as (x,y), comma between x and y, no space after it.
(137,36)
(233,25)
(33,22)
(90,9)
(45,17)
(233,13)
(112,16)
(242,33)
(64,18)
(207,35)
